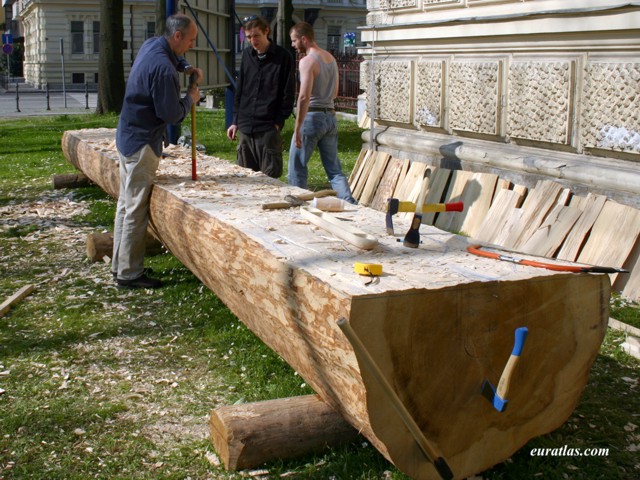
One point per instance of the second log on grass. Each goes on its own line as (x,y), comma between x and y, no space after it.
(100,245)
(251,434)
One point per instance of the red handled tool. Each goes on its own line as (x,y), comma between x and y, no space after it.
(477,250)
(194,173)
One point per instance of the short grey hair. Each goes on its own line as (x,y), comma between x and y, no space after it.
(178,22)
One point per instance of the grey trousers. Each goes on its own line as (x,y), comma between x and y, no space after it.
(137,174)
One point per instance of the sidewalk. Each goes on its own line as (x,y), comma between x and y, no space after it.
(32,102)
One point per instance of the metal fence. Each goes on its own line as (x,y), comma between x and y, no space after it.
(349,88)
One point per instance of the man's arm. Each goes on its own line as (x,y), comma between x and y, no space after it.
(304,96)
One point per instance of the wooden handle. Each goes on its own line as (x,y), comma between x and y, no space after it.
(507,373)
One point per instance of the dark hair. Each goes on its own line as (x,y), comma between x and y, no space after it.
(256,22)
(178,22)
(303,29)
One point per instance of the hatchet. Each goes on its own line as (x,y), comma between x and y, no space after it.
(498,397)
(394,206)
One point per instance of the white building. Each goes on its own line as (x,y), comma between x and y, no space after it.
(61,35)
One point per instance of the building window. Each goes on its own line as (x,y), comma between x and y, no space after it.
(151,29)
(77,37)
(333,39)
(77,78)
(96,37)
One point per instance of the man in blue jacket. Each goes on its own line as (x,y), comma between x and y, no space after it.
(152,101)
(263,100)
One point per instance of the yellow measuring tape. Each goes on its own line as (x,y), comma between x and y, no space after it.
(371,269)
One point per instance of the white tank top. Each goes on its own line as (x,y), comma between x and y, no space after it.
(324,85)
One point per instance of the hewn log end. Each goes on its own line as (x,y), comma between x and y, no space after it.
(251,434)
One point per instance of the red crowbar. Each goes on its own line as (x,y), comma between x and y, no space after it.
(476,250)
(194,174)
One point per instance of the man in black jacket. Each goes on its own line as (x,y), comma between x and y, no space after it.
(263,100)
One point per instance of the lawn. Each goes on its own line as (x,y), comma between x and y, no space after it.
(97,382)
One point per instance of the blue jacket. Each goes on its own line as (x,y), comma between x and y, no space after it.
(152,99)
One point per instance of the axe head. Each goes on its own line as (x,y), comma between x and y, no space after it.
(392,208)
(489,392)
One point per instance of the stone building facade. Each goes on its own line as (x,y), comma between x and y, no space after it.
(526,88)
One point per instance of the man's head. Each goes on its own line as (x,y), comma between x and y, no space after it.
(302,37)
(257,31)
(181,33)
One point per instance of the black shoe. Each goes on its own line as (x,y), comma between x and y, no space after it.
(141,282)
(145,271)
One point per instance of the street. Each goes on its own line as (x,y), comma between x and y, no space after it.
(32,102)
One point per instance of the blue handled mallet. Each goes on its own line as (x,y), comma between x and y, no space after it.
(498,397)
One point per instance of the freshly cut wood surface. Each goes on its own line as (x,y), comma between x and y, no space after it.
(439,321)
(591,206)
(436,192)
(612,237)
(498,215)
(387,184)
(250,434)
(476,194)
(535,208)
(380,162)
(546,240)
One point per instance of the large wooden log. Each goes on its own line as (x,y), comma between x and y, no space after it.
(251,434)
(437,323)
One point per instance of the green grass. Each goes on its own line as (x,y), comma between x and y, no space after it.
(104,383)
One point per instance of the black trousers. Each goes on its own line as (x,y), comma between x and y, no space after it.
(261,152)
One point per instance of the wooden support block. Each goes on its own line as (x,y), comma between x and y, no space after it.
(251,434)
(70,180)
(15,298)
(100,245)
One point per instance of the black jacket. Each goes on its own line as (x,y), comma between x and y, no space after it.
(265,91)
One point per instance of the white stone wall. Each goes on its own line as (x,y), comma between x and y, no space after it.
(559,75)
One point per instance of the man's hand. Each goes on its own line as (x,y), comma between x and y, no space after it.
(194,93)
(231,132)
(298,136)
(192,70)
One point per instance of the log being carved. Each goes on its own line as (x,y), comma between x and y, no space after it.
(437,323)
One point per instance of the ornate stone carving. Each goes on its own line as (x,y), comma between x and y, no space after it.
(611,107)
(540,101)
(390,4)
(427,3)
(393,80)
(429,87)
(474,94)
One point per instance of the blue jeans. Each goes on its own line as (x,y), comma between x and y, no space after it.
(321,129)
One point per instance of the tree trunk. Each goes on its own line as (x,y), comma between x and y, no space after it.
(111,84)
(435,325)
